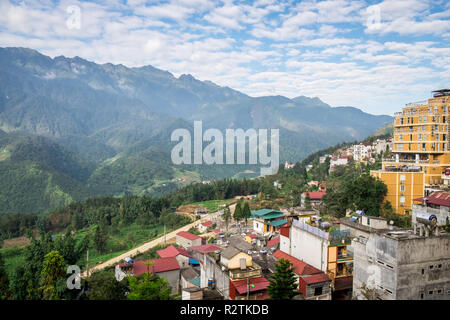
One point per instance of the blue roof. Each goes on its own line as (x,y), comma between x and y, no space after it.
(278,223)
(195,281)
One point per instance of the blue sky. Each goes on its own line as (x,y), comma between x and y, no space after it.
(374,55)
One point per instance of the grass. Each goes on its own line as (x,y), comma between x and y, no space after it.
(213,205)
(119,242)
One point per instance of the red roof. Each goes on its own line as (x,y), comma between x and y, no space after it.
(252,236)
(216,231)
(206,248)
(343,283)
(207,224)
(315,195)
(437,198)
(274,241)
(188,235)
(159,265)
(300,267)
(259,283)
(284,231)
(172,251)
(316,278)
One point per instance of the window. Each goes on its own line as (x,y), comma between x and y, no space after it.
(439,291)
(423,271)
(425,119)
(439,266)
(402,177)
(317,291)
(402,187)
(431,267)
(421,296)
(402,199)
(430,292)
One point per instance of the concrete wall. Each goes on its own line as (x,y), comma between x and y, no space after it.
(258,226)
(188,243)
(173,277)
(183,261)
(400,268)
(308,247)
(441,214)
(234,262)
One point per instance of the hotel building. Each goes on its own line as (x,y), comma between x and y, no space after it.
(421,151)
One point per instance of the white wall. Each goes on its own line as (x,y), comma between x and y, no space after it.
(258,226)
(309,248)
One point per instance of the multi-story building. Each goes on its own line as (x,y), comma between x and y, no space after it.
(326,251)
(401,264)
(421,151)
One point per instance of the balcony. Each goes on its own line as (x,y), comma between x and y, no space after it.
(250,272)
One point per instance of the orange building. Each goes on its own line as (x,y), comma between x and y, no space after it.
(421,151)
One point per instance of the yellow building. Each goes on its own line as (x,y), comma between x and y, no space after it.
(420,150)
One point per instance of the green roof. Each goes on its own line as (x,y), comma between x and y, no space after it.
(267,214)
(278,223)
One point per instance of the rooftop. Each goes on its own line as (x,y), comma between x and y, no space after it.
(204,249)
(188,235)
(255,284)
(157,265)
(300,267)
(172,251)
(437,198)
(441,93)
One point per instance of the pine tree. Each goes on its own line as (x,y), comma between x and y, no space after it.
(226,216)
(283,281)
(53,270)
(246,213)
(237,215)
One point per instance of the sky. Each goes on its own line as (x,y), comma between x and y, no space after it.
(374,55)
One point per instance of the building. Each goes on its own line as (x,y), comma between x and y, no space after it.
(249,289)
(326,251)
(178,253)
(401,265)
(267,220)
(312,283)
(437,206)
(203,227)
(314,197)
(420,151)
(288,165)
(322,159)
(167,268)
(189,278)
(187,239)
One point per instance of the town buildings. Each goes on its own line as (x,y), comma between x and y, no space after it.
(401,265)
(187,239)
(420,151)
(326,251)
(314,197)
(267,220)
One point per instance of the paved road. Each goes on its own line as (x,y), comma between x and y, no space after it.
(149,245)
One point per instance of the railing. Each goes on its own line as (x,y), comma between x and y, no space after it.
(237,274)
(417,103)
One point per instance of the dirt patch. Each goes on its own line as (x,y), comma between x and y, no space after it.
(15,242)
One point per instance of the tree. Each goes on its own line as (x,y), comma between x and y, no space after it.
(283,282)
(246,213)
(226,216)
(52,272)
(4,282)
(100,239)
(307,201)
(148,287)
(104,286)
(237,215)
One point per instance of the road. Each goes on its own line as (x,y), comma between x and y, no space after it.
(150,244)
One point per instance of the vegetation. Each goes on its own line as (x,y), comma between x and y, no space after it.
(283,281)
(149,287)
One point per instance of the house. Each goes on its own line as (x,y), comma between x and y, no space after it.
(274,243)
(189,278)
(315,198)
(178,253)
(288,165)
(200,210)
(313,283)
(203,227)
(255,288)
(232,258)
(167,268)
(267,220)
(192,293)
(437,204)
(326,251)
(250,237)
(187,239)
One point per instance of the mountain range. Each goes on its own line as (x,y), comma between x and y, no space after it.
(71,128)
